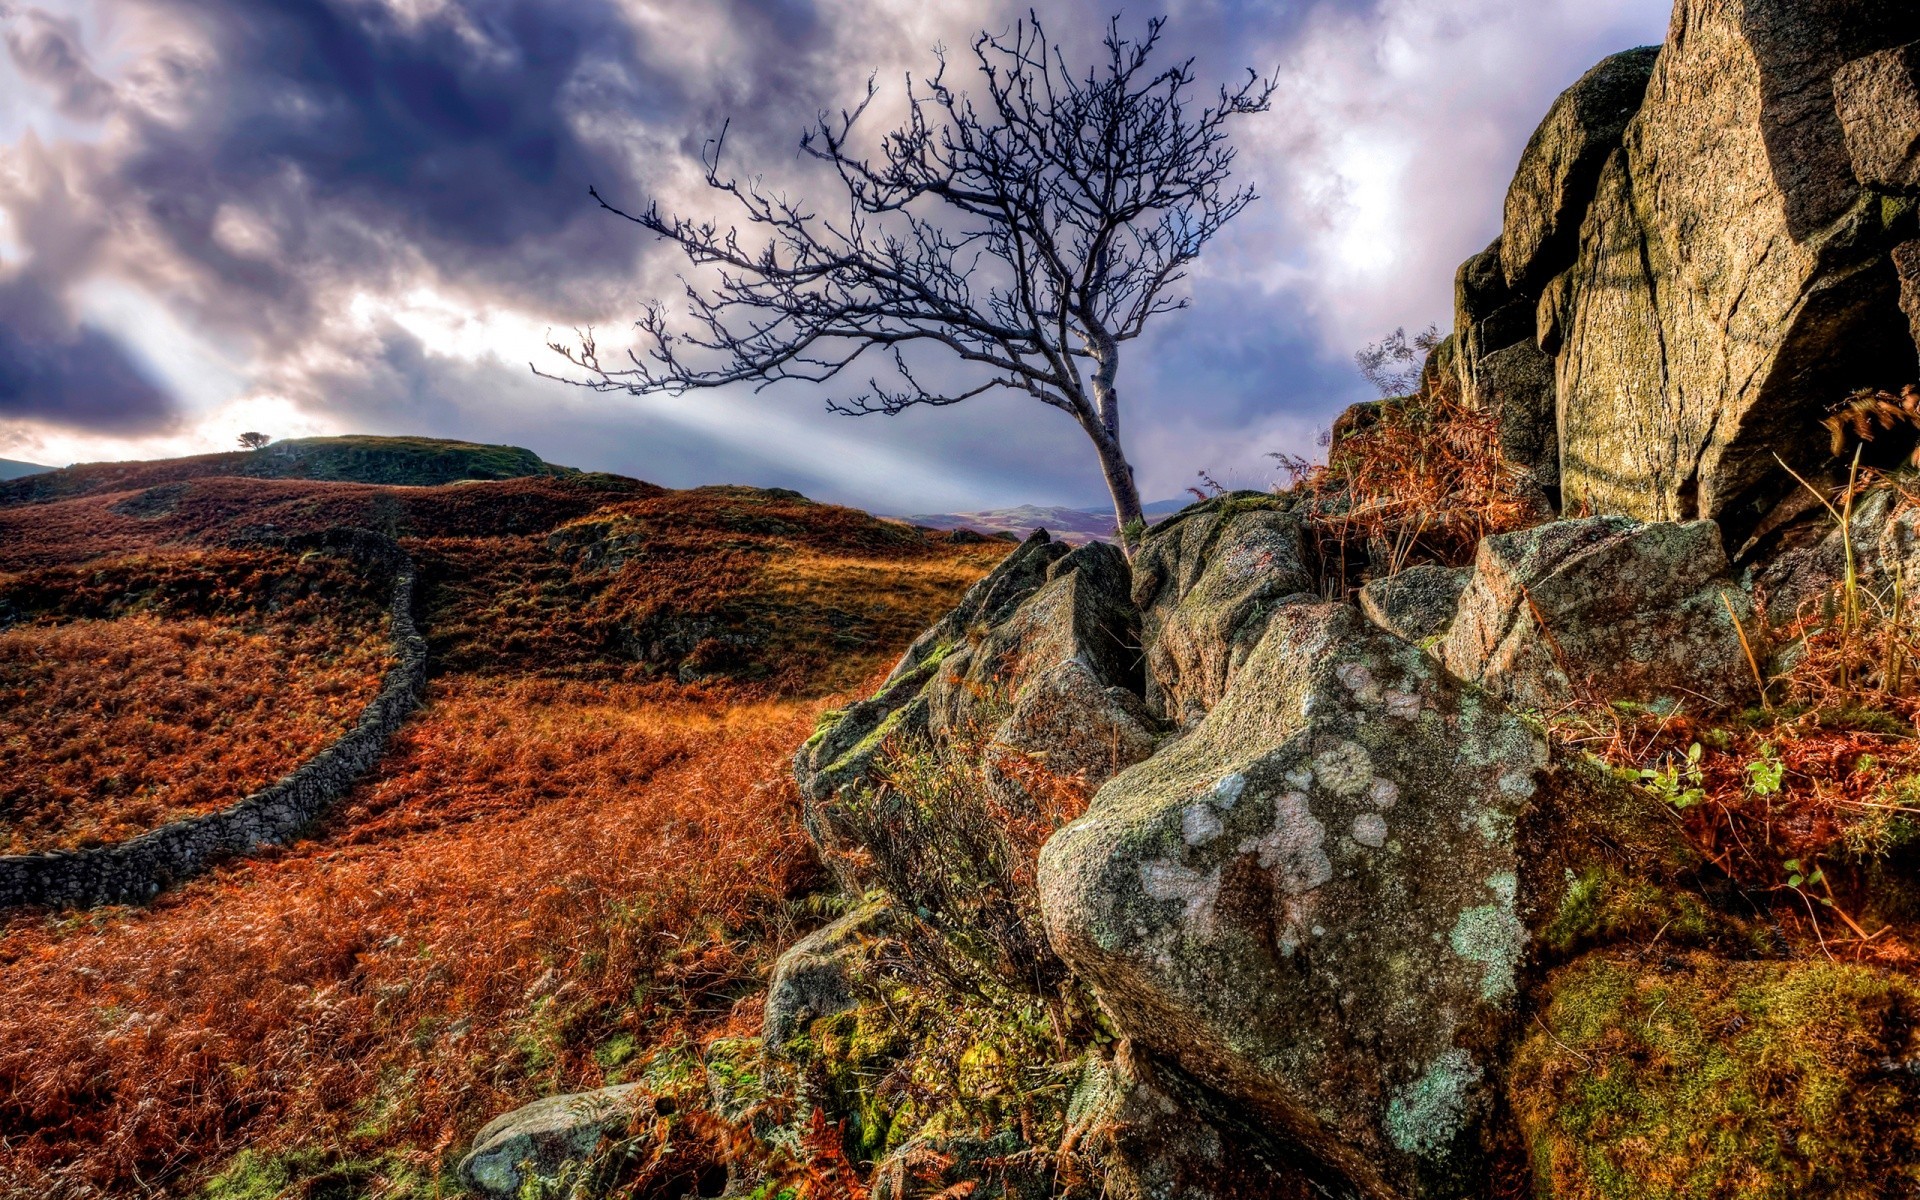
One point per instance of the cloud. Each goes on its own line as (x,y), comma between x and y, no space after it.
(374,210)
(75,376)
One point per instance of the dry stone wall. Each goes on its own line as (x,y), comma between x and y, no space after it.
(134,871)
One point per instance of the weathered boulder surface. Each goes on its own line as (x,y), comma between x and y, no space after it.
(1878,98)
(1162,1138)
(1560,168)
(1733,276)
(1311,900)
(1205,587)
(1636,611)
(1416,604)
(549,1140)
(845,748)
(814,977)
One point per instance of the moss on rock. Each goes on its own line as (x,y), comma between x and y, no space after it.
(1696,1077)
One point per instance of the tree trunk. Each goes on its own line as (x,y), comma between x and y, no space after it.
(1131,522)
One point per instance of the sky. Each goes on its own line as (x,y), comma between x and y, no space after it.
(313,217)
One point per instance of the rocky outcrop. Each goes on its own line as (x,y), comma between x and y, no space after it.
(1504,327)
(1416,604)
(814,977)
(1878,99)
(1605,605)
(1311,900)
(549,1147)
(1560,169)
(134,871)
(1205,585)
(1733,276)
(848,745)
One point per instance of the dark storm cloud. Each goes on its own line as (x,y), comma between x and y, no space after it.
(76,376)
(274,173)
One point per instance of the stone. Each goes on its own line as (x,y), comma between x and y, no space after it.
(846,746)
(1310,902)
(1607,605)
(814,977)
(1733,277)
(1205,588)
(1885,535)
(1081,613)
(1560,168)
(1068,733)
(549,1140)
(1516,385)
(1906,265)
(1878,99)
(1416,604)
(1160,1137)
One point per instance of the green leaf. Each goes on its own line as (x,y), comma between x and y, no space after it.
(1794,881)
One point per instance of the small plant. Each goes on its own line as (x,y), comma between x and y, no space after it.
(1680,784)
(1765,774)
(1804,875)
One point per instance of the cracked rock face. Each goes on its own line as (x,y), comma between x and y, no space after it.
(1205,588)
(1638,611)
(1311,900)
(1733,275)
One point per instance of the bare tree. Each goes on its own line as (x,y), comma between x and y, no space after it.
(1025,239)
(254,441)
(1394,363)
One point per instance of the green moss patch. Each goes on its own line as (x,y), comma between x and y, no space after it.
(1697,1077)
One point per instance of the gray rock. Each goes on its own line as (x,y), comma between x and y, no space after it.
(1310,901)
(1733,276)
(1878,98)
(1906,264)
(814,977)
(1416,604)
(549,1140)
(845,748)
(1516,384)
(1205,589)
(1560,168)
(1159,1138)
(1610,605)
(1080,614)
(1068,732)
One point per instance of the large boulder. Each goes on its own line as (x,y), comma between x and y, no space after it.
(1416,604)
(1560,168)
(1205,587)
(551,1143)
(1603,605)
(1502,362)
(814,977)
(1311,901)
(1733,277)
(847,746)
(1878,98)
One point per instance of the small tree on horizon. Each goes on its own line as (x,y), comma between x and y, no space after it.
(1025,240)
(255,441)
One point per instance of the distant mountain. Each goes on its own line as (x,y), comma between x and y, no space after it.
(405,461)
(1075,525)
(14,469)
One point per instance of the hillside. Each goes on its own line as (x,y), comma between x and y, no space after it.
(591,796)
(1075,525)
(399,461)
(14,469)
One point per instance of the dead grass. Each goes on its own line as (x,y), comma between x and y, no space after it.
(1421,480)
(112,728)
(577,853)
(541,871)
